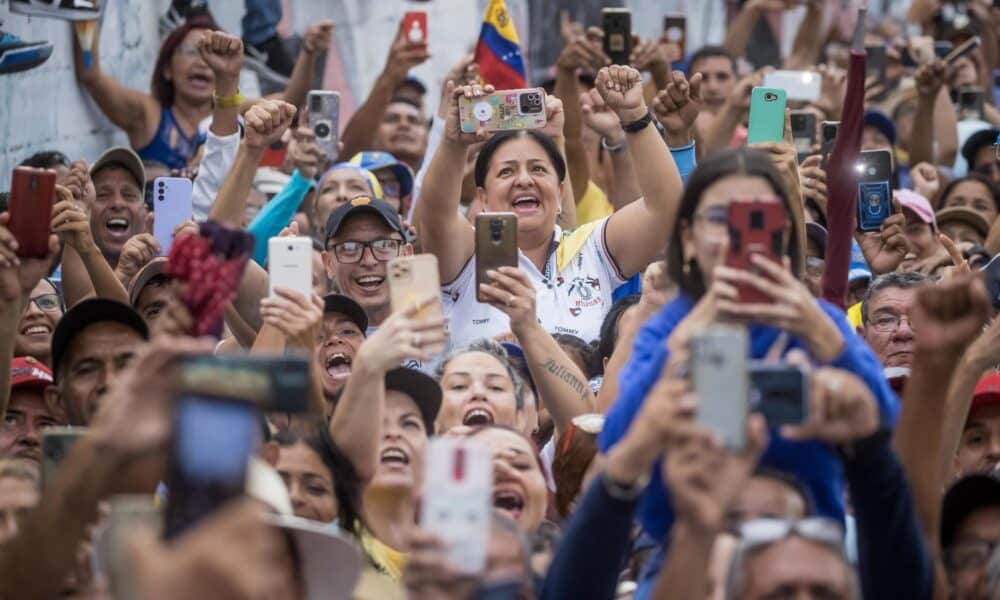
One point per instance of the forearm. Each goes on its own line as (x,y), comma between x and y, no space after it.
(300,80)
(269,340)
(562,386)
(720,132)
(808,39)
(10,315)
(253,287)
(577,168)
(945,129)
(102,276)
(359,134)
(655,172)
(230,204)
(684,573)
(992,243)
(76,283)
(739,31)
(358,417)
(922,136)
(244,334)
(625,189)
(442,187)
(628,328)
(277,214)
(225,120)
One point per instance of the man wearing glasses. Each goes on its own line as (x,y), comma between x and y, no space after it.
(885,317)
(361,237)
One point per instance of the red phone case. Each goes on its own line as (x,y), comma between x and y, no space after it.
(31,196)
(756,226)
(415,27)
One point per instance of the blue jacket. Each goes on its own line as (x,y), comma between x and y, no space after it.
(814,463)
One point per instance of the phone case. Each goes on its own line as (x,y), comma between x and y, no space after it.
(874,189)
(875,62)
(780,392)
(675,31)
(803,133)
(413,279)
(128,513)
(827,137)
(32,194)
(756,226)
(767,115)
(971,101)
(617,25)
(56,444)
(992,271)
(172,206)
(719,377)
(457,500)
(324,120)
(504,110)
(415,26)
(289,264)
(798,85)
(496,245)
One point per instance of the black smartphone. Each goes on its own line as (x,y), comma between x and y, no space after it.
(780,392)
(803,132)
(874,189)
(875,62)
(827,137)
(971,101)
(942,49)
(272,383)
(617,25)
(207,463)
(992,272)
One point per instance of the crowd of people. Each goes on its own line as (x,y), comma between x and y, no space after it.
(577,369)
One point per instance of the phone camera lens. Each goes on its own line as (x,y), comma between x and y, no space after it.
(322,129)
(770,97)
(871,170)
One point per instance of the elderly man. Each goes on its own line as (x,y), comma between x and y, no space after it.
(885,317)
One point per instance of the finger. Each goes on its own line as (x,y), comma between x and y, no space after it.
(956,255)
(695,83)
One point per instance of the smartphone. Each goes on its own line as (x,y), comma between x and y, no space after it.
(128,512)
(207,461)
(273,383)
(675,32)
(496,245)
(875,62)
(415,26)
(767,115)
(172,206)
(32,193)
(798,85)
(504,110)
(971,100)
(827,137)
(458,498)
(874,189)
(324,120)
(963,49)
(617,25)
(756,226)
(992,272)
(803,132)
(289,264)
(56,445)
(413,279)
(942,49)
(780,392)
(719,377)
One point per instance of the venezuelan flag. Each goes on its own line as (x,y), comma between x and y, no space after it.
(498,52)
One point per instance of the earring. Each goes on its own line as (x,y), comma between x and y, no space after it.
(687,267)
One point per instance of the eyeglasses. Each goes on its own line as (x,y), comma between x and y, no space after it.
(48,302)
(390,187)
(764,532)
(888,322)
(383,250)
(972,554)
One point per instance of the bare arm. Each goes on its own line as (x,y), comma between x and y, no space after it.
(738,33)
(935,131)
(253,288)
(576,157)
(808,39)
(315,41)
(76,284)
(624,187)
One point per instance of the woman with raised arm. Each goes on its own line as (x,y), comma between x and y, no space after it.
(524,172)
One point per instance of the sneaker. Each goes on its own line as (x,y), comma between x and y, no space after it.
(17,55)
(180,11)
(68,10)
(269,60)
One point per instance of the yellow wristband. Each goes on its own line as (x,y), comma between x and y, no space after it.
(231,101)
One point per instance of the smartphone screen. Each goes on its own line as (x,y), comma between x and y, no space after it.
(212,441)
(803,132)
(875,62)
(56,445)
(779,392)
(874,189)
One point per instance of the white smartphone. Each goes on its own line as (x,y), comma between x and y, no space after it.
(171,207)
(289,264)
(128,513)
(324,120)
(456,504)
(798,85)
(721,380)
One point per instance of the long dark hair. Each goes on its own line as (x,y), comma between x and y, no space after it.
(972,176)
(499,139)
(346,483)
(163,88)
(742,161)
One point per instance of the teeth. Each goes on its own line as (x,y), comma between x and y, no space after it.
(37,329)
(478,416)
(370,280)
(394,455)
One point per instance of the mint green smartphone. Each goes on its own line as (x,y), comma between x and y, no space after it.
(767,115)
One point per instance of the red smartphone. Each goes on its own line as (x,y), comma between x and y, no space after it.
(415,27)
(756,226)
(31,195)
(675,31)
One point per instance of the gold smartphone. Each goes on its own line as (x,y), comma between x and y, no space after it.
(413,279)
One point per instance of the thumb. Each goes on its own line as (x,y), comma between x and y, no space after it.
(149,222)
(695,83)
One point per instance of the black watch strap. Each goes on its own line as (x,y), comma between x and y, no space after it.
(640,124)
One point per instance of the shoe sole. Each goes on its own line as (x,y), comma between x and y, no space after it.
(264,71)
(24,58)
(66,14)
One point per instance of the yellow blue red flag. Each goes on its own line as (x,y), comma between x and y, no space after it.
(498,52)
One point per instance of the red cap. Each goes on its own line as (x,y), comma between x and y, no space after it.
(987,391)
(27,371)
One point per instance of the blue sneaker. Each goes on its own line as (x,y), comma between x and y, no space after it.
(17,55)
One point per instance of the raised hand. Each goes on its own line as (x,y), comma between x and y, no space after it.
(79,183)
(317,37)
(403,336)
(452,122)
(511,292)
(305,154)
(404,55)
(812,180)
(930,78)
(583,51)
(948,316)
(884,250)
(223,53)
(136,253)
(657,287)
(621,89)
(600,118)
(266,121)
(648,55)
(20,274)
(832,83)
(429,575)
(677,106)
(555,117)
(841,409)
(926,181)
(297,317)
(71,222)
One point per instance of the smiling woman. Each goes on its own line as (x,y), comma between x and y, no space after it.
(38,321)
(479,387)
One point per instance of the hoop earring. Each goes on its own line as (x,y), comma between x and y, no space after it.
(687,267)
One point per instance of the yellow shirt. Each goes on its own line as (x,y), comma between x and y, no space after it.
(593,205)
(386,559)
(854,315)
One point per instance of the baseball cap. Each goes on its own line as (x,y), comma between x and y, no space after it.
(29,372)
(373,161)
(987,392)
(126,158)
(917,204)
(983,137)
(964,215)
(415,83)
(859,266)
(359,205)
(516,355)
(339,303)
(270,181)
(817,233)
(151,270)
(87,313)
(424,390)
(883,123)
(966,496)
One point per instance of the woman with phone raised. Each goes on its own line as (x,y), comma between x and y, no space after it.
(524,172)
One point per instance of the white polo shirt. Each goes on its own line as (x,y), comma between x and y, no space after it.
(573,292)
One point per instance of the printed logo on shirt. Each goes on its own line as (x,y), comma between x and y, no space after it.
(587,291)
(575,311)
(480,321)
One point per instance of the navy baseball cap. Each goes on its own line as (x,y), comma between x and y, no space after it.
(87,313)
(359,205)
